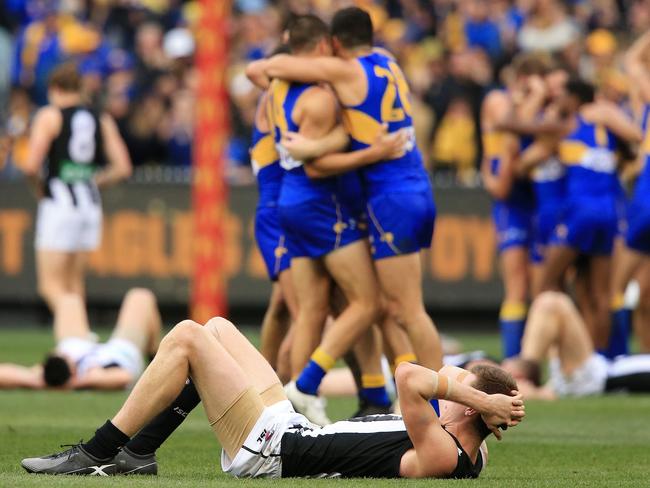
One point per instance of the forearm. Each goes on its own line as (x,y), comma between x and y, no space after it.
(255,73)
(635,53)
(103,379)
(531,107)
(533,156)
(531,128)
(109,176)
(429,385)
(337,163)
(15,376)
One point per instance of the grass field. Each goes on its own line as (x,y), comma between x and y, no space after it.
(588,442)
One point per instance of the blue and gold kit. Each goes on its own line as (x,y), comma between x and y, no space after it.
(399,198)
(268,231)
(638,230)
(314,217)
(590,218)
(512,215)
(549,188)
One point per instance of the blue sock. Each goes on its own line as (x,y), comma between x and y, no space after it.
(436,406)
(512,320)
(375,396)
(619,333)
(511,333)
(310,378)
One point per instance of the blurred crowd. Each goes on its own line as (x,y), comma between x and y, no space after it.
(136,57)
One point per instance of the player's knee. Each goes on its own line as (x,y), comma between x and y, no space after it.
(140,295)
(551,302)
(184,336)
(218,326)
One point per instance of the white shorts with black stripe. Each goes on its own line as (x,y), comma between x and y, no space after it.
(259,457)
(588,379)
(70,220)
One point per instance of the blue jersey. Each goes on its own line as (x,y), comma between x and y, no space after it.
(266,166)
(589,154)
(642,191)
(387,101)
(296,187)
(549,184)
(520,195)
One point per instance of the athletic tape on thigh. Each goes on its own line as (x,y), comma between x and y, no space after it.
(273,394)
(237,420)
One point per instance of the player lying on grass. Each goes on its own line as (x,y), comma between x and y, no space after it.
(554,323)
(79,362)
(262,436)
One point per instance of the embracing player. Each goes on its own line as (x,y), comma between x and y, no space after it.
(401,212)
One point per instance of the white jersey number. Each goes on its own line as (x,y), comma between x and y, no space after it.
(81,146)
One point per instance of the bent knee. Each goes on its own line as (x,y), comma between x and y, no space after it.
(140,295)
(218,326)
(185,335)
(552,301)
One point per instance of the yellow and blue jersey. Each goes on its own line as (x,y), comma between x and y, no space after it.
(269,236)
(589,153)
(387,101)
(266,166)
(314,218)
(590,218)
(494,145)
(638,230)
(296,187)
(549,183)
(643,183)
(513,215)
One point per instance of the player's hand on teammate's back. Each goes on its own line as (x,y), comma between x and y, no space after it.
(390,145)
(299,147)
(503,411)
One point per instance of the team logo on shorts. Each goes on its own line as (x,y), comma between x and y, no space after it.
(265,436)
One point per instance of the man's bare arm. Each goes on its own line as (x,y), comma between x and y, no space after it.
(17,376)
(326,69)
(636,67)
(417,385)
(45,127)
(385,147)
(103,379)
(119,163)
(303,148)
(538,152)
(612,117)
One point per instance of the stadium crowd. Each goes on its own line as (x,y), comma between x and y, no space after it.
(136,61)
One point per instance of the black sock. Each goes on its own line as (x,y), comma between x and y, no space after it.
(151,437)
(107,441)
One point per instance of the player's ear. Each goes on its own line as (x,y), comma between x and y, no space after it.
(336,44)
(469,412)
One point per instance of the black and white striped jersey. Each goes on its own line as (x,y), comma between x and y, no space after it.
(74,156)
(366,447)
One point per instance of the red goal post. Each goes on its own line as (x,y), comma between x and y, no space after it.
(209,189)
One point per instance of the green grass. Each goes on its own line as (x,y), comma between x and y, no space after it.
(587,442)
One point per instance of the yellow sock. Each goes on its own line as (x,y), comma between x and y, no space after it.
(372,380)
(513,311)
(405,358)
(323,359)
(618,302)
